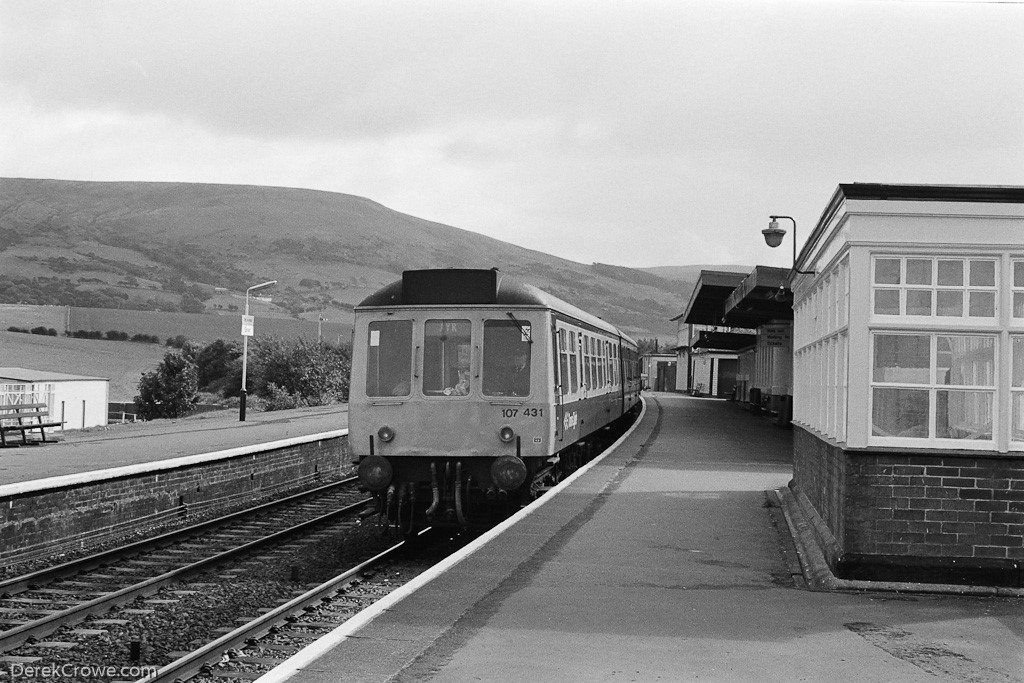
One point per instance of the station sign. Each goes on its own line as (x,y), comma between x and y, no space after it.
(776,336)
(248,322)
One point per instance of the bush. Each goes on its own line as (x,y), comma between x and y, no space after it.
(145,338)
(47,331)
(169,391)
(114,335)
(12,328)
(311,373)
(177,342)
(220,367)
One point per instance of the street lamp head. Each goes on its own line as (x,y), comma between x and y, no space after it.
(262,285)
(773,234)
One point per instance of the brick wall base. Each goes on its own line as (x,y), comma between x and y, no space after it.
(79,517)
(927,516)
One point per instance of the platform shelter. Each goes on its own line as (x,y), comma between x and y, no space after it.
(908,359)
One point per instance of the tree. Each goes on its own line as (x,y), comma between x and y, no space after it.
(170,390)
(646,346)
(299,372)
(220,368)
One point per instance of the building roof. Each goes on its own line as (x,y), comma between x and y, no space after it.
(706,305)
(761,297)
(1006,194)
(28,375)
(1002,194)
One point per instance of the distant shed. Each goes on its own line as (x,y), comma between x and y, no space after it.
(79,401)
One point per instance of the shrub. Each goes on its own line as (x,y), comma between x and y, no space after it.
(312,373)
(177,342)
(12,328)
(169,391)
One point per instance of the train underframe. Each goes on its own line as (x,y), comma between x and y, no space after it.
(462,493)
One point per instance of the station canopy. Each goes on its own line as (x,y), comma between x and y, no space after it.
(743,301)
(707,302)
(762,297)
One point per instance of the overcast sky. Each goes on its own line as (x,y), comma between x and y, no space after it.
(635,133)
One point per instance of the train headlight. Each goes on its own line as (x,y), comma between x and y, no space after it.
(506,434)
(508,472)
(375,473)
(386,434)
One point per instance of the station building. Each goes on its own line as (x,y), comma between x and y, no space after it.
(908,353)
(78,401)
(896,345)
(658,371)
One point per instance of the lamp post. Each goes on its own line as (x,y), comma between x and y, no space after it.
(247,330)
(773,235)
(320,319)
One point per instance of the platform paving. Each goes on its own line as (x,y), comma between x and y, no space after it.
(665,562)
(101,448)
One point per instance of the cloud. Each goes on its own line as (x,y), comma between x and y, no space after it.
(635,133)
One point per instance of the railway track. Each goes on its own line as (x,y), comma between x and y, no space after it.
(38,604)
(258,646)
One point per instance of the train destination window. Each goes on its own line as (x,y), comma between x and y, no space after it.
(446,356)
(506,358)
(389,360)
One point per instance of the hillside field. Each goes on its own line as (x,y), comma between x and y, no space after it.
(121,362)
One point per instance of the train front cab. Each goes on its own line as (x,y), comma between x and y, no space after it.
(448,402)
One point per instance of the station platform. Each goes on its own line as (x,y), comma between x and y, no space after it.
(666,560)
(82,452)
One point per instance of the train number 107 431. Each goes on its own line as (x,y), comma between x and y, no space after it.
(525,412)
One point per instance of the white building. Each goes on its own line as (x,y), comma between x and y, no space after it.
(78,401)
(908,408)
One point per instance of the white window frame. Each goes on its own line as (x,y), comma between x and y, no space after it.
(932,386)
(934,288)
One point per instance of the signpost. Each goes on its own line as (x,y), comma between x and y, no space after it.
(248,324)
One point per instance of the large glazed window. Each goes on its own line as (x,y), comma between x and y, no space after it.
(933,386)
(507,358)
(446,356)
(1018,289)
(1017,390)
(389,358)
(944,287)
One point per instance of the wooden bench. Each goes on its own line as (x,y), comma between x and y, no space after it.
(24,418)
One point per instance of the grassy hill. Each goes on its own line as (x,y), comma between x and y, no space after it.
(196,247)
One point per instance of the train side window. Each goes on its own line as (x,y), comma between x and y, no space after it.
(389,358)
(446,357)
(507,358)
(573,364)
(563,363)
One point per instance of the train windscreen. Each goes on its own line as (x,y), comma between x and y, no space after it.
(389,358)
(507,358)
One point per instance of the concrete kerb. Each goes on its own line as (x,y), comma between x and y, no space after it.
(819,576)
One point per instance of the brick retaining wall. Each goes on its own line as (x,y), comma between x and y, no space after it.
(80,516)
(945,516)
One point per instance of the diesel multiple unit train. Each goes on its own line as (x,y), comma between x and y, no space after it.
(472,392)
